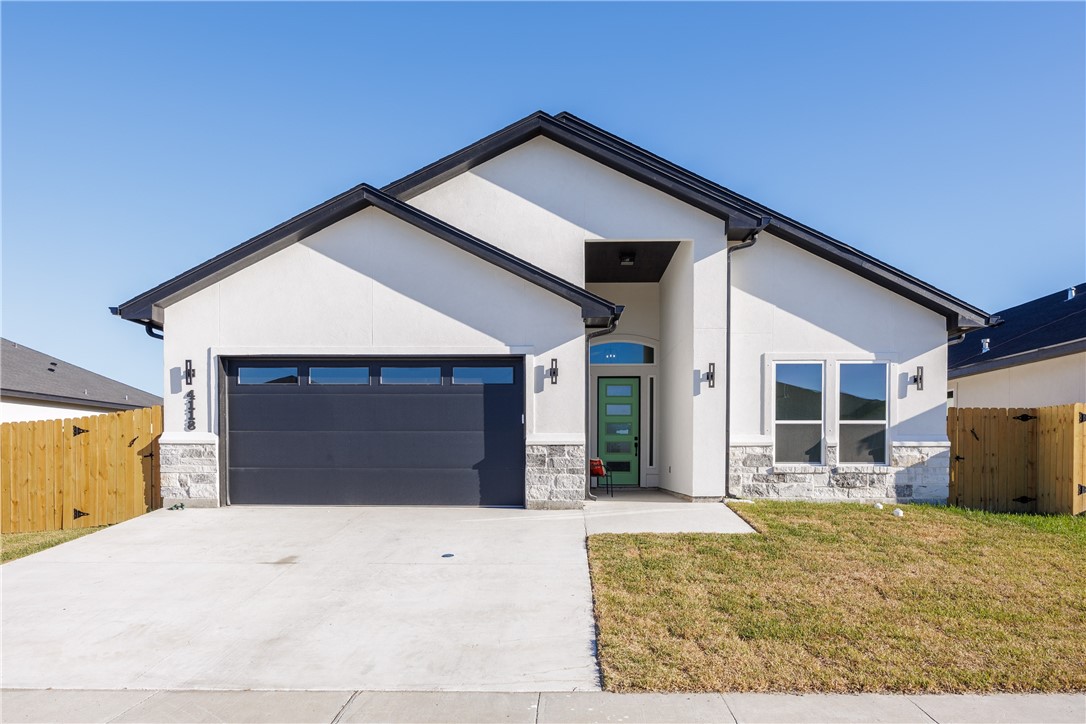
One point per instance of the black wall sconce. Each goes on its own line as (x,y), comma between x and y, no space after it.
(918,378)
(190,373)
(553,372)
(710,376)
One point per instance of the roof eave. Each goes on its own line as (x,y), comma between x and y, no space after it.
(1022,358)
(147,308)
(82,401)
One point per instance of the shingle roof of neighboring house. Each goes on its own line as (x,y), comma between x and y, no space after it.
(29,374)
(1051,326)
(742,215)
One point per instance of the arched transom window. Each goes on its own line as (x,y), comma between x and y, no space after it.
(622,353)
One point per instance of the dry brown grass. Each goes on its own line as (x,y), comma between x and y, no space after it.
(846,598)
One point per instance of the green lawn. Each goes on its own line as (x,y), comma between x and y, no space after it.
(846,598)
(17,545)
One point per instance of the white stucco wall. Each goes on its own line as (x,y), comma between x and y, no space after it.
(676,360)
(790,304)
(542,202)
(20,410)
(374,285)
(1057,381)
(641,317)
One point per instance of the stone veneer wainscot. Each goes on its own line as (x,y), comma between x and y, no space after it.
(918,472)
(189,473)
(554,476)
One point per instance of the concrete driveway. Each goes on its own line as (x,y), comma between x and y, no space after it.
(308,598)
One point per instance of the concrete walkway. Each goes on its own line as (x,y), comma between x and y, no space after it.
(530,707)
(653,511)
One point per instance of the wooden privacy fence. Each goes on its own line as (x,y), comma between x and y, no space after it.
(60,474)
(1028,460)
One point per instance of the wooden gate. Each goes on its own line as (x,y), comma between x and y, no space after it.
(1028,460)
(79,473)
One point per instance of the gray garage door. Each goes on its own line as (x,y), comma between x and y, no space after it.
(376,431)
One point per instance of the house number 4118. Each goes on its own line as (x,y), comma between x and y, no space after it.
(190,410)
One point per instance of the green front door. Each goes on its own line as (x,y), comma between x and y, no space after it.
(618,441)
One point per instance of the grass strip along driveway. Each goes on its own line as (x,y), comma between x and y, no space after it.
(17,545)
(846,598)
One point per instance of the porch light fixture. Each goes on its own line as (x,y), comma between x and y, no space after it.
(553,372)
(626,258)
(918,378)
(710,376)
(190,373)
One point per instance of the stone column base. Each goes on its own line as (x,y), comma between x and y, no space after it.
(189,472)
(554,477)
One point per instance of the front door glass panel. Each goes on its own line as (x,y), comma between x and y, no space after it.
(618,434)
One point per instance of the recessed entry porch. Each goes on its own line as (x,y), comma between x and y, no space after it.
(633,384)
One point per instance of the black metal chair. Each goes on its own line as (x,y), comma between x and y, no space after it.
(600,472)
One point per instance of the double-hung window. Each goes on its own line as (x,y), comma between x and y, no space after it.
(798,412)
(863,412)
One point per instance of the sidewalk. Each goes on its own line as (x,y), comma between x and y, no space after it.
(23,705)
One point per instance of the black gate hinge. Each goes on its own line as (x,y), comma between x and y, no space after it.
(1082,417)
(77,431)
(77,513)
(1024,417)
(1023,499)
(958,458)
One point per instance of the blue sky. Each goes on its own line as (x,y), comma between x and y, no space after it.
(141,139)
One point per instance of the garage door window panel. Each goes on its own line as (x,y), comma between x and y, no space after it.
(268,375)
(410,375)
(482,375)
(339,375)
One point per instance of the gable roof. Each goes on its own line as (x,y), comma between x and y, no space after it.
(26,373)
(596,311)
(742,215)
(1051,326)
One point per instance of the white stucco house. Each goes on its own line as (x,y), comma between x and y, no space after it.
(471,333)
(1034,356)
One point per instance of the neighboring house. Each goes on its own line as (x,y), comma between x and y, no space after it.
(1034,357)
(35,386)
(470,333)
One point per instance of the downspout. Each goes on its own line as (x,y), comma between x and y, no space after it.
(147,326)
(588,397)
(747,242)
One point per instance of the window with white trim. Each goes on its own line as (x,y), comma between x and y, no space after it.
(798,412)
(863,410)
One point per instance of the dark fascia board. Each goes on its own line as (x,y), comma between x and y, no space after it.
(960,316)
(146,309)
(1034,355)
(543,124)
(78,401)
(741,213)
